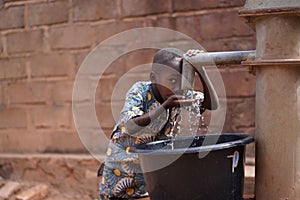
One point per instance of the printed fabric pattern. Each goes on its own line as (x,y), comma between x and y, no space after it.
(122,176)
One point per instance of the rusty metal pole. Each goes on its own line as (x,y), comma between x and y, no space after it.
(277,64)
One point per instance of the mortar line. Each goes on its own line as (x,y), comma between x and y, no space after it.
(18,3)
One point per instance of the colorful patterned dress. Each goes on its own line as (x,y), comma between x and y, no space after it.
(122,176)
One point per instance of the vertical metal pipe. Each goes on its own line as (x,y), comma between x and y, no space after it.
(278,128)
(277,133)
(277,62)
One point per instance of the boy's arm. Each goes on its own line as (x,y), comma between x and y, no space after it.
(137,123)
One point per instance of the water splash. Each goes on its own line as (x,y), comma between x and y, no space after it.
(188,120)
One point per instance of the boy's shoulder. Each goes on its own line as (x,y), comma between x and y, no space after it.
(141,86)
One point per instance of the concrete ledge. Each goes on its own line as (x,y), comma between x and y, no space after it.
(48,155)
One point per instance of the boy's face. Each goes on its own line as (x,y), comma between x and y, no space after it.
(168,79)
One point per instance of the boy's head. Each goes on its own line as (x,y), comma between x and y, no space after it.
(166,72)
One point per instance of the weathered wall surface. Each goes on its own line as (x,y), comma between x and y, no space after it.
(43,42)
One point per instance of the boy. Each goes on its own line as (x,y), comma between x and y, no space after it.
(147,116)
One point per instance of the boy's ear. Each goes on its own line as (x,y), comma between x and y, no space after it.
(152,77)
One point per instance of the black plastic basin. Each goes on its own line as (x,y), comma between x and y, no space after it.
(206,167)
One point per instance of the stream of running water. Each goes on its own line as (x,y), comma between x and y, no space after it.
(188,121)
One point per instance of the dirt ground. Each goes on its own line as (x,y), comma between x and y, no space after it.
(19,190)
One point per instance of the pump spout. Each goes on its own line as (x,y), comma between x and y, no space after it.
(192,63)
(220,58)
(188,76)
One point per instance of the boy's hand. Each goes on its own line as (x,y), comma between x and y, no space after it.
(177,101)
(193,52)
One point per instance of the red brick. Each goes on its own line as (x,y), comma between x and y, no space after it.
(105,88)
(2,101)
(85,116)
(106,30)
(144,7)
(140,61)
(179,5)
(104,114)
(163,22)
(231,3)
(56,64)
(1,45)
(250,152)
(82,90)
(229,44)
(186,43)
(54,116)
(90,56)
(25,41)
(13,118)
(62,91)
(12,17)
(248,130)
(184,24)
(107,132)
(244,114)
(40,141)
(12,68)
(73,36)
(115,67)
(79,58)
(95,141)
(240,114)
(116,109)
(228,125)
(243,43)
(190,5)
(94,10)
(222,25)
(33,92)
(64,141)
(238,82)
(48,13)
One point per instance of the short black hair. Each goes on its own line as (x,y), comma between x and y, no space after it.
(165,57)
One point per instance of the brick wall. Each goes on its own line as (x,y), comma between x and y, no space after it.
(43,42)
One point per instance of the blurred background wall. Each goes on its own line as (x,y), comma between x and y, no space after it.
(43,43)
